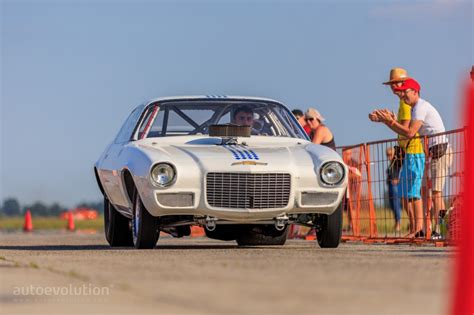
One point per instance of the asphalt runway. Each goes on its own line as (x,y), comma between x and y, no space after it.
(64,273)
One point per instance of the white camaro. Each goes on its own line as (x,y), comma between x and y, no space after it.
(242,167)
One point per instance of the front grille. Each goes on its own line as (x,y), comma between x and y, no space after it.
(251,191)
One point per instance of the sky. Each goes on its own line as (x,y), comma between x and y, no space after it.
(71,71)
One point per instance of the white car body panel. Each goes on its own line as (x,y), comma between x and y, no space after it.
(194,156)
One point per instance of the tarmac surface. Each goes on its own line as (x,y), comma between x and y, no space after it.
(76,273)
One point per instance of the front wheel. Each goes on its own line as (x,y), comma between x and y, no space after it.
(116,226)
(144,226)
(329,228)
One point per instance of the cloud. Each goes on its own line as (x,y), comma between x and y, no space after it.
(411,9)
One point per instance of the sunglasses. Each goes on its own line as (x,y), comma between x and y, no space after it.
(407,91)
(309,119)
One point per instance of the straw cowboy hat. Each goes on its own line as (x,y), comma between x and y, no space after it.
(397,75)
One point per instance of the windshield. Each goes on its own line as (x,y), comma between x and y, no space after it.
(194,118)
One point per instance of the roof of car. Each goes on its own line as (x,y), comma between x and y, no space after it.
(203,97)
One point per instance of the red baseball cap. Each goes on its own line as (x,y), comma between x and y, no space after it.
(409,84)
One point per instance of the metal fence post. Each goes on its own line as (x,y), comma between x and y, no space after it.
(372,217)
(426,190)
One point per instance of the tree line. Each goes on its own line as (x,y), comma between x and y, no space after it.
(11,207)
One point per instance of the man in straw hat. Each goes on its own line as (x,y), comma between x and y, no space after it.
(428,122)
(409,186)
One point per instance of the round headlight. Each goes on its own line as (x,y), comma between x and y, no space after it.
(163,174)
(332,173)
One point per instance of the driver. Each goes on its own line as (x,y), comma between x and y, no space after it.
(243,116)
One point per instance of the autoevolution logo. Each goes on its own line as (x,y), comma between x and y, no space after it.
(71,290)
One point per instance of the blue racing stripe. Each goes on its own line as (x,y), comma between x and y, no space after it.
(255,156)
(252,154)
(237,154)
(242,155)
(245,152)
(216,96)
(234,154)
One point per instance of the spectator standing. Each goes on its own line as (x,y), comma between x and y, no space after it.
(394,158)
(352,199)
(409,187)
(427,121)
(298,113)
(321,133)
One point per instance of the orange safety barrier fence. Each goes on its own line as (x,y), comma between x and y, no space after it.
(389,198)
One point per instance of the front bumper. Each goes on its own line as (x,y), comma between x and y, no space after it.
(189,197)
(198,205)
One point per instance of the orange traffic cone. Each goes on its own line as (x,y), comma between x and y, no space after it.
(28,226)
(311,236)
(70,222)
(197,231)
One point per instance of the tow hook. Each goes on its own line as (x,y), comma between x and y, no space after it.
(210,223)
(281,222)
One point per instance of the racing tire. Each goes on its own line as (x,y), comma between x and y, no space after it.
(117,227)
(329,228)
(262,235)
(145,232)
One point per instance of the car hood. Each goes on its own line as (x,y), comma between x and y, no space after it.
(259,155)
(240,156)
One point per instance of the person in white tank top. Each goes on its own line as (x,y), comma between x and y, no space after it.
(425,120)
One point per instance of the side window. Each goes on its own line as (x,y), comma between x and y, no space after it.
(144,122)
(157,127)
(294,126)
(127,128)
